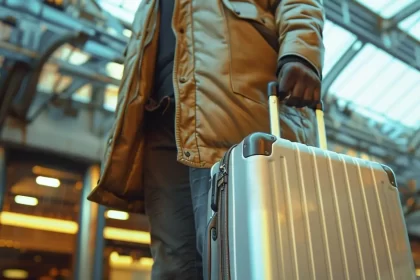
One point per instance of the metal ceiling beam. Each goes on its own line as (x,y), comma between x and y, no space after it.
(366,25)
(59,22)
(28,90)
(401,15)
(18,53)
(414,142)
(10,85)
(74,86)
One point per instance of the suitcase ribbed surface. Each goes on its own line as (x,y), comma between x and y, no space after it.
(305,213)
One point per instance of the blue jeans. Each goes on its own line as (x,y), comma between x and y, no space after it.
(176,203)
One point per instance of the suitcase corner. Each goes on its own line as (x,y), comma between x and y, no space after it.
(258,143)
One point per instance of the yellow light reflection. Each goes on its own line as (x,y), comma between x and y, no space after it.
(117,215)
(26,200)
(47,181)
(418,271)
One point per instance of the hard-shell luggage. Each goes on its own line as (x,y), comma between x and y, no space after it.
(280,211)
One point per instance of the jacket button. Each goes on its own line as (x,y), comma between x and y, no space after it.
(110,141)
(182,80)
(187,154)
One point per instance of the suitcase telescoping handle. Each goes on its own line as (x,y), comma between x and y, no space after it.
(274,100)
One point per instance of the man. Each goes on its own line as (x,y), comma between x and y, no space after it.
(194,84)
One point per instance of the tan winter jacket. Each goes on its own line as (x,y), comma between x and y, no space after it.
(221,69)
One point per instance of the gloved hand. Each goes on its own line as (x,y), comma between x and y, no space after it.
(300,83)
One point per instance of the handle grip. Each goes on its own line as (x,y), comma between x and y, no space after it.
(273,102)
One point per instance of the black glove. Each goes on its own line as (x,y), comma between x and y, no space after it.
(300,83)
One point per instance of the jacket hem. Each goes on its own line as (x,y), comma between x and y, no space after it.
(108,199)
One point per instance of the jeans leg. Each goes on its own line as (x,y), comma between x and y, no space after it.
(200,185)
(169,208)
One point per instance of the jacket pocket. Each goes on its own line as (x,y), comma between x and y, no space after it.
(253,60)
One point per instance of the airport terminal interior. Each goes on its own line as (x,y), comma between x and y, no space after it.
(61,62)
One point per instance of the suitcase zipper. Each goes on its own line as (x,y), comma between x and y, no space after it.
(222,188)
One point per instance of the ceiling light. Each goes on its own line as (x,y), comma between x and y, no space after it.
(146,262)
(26,200)
(117,215)
(127,235)
(39,223)
(54,173)
(118,259)
(15,274)
(121,261)
(47,181)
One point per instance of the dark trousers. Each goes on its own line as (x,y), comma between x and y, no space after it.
(176,203)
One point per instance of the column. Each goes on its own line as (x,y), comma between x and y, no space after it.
(90,241)
(3,171)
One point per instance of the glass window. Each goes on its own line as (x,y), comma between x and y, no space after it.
(39,221)
(127,246)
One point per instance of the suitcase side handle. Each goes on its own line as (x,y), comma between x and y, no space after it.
(273,104)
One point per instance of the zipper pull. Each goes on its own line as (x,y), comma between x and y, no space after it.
(214,193)
(222,169)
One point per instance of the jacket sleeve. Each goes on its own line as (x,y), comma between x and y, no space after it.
(300,24)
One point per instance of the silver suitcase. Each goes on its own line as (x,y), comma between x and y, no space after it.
(282,210)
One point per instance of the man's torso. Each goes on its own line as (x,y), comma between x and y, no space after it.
(221,68)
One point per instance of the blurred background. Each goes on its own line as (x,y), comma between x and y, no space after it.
(60,67)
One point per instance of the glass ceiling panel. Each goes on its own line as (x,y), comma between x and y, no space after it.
(337,41)
(386,8)
(52,82)
(71,55)
(121,9)
(377,83)
(115,70)
(111,98)
(411,25)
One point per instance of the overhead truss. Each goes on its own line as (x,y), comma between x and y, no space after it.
(371,28)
